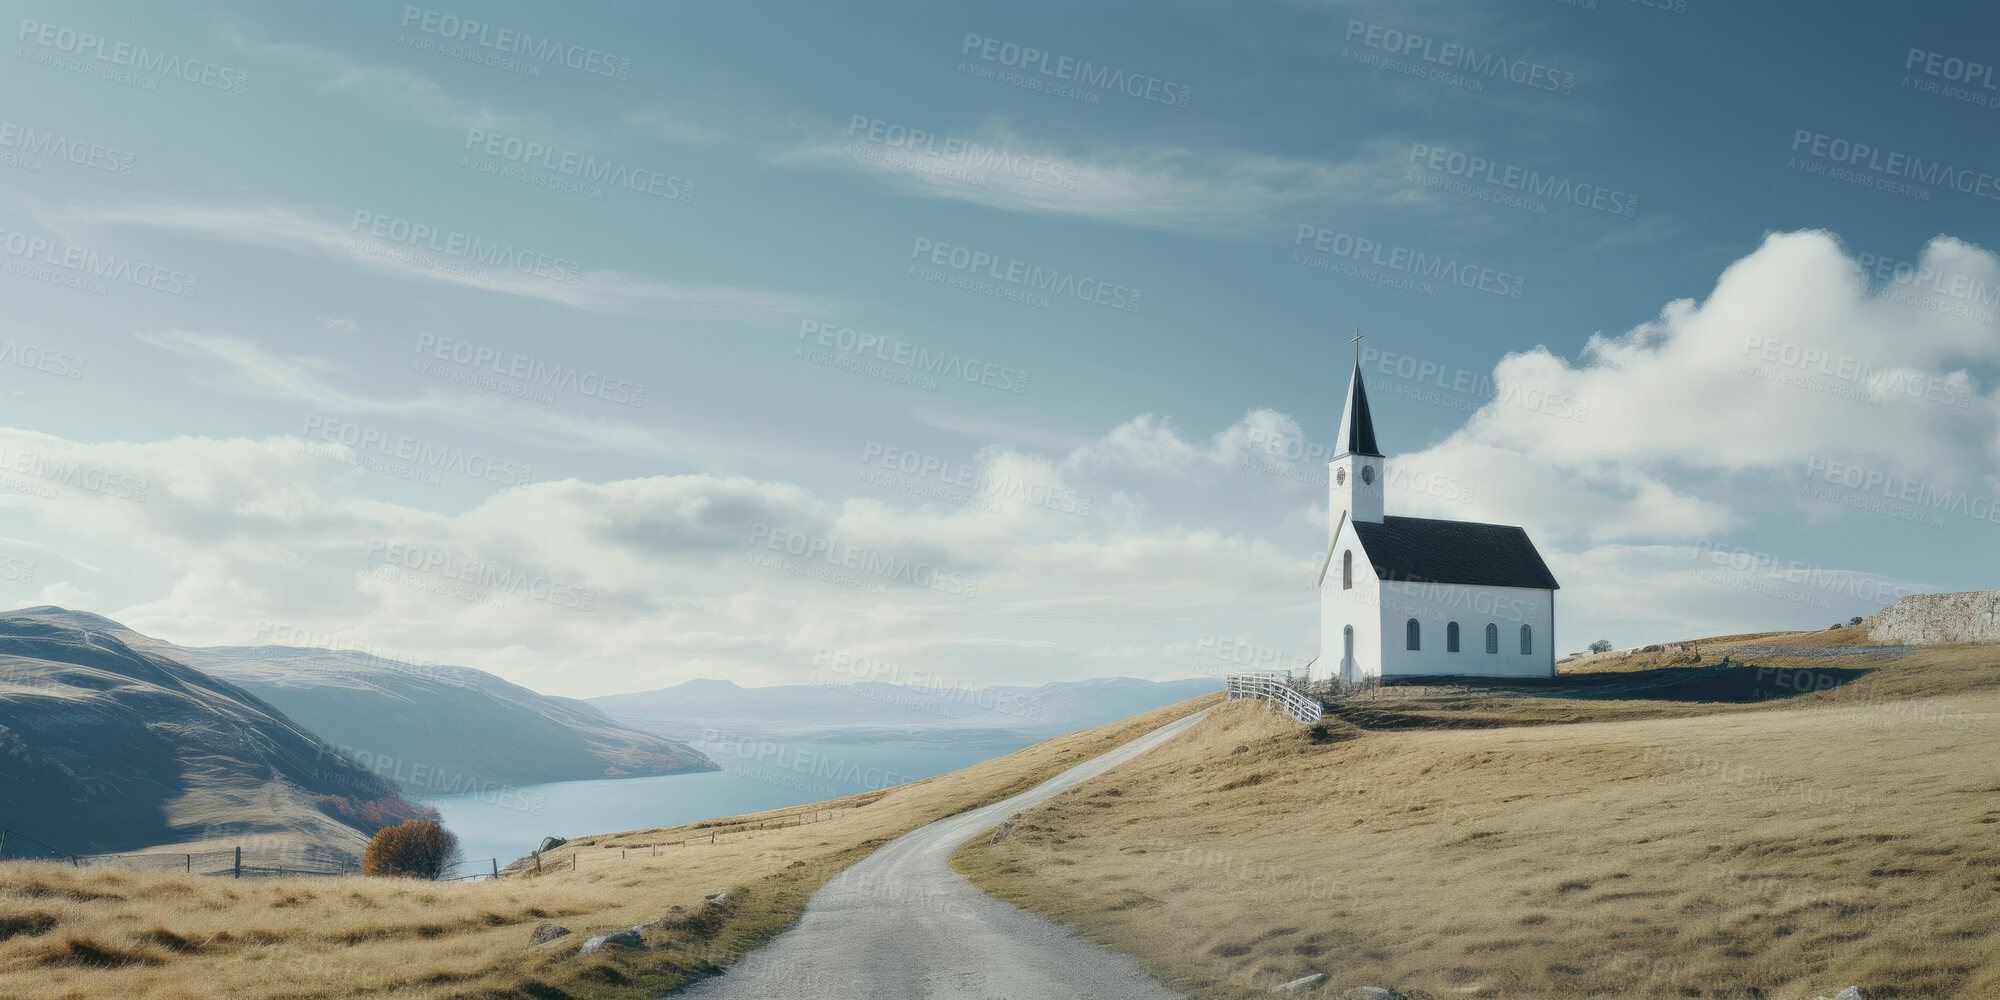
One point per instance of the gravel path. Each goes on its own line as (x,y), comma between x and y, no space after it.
(901,924)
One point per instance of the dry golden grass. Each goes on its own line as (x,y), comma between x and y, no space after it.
(1771,849)
(68,933)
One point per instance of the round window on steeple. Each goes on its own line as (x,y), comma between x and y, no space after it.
(1340,477)
(1368,475)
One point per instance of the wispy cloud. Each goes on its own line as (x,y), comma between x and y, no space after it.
(389,87)
(1215,191)
(247,368)
(605,292)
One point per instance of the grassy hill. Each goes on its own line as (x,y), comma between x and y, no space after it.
(67,933)
(1808,817)
(108,747)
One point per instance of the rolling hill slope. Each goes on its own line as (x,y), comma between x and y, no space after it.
(438,730)
(109,746)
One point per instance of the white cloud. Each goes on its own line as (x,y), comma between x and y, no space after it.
(1188,535)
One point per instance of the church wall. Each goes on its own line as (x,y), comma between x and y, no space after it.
(1359,607)
(1433,605)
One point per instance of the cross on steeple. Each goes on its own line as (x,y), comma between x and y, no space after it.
(1356,341)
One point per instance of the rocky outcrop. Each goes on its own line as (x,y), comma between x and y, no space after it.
(546,933)
(1930,619)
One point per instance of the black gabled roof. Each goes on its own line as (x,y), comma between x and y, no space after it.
(1358,424)
(1423,550)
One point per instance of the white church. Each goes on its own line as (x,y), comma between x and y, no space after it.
(1417,596)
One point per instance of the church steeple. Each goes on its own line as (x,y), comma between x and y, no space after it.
(1357,428)
(1354,478)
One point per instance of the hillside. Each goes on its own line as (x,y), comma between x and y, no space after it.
(110,746)
(872,712)
(1816,811)
(67,933)
(438,730)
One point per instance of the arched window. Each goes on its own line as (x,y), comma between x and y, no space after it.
(1412,635)
(1527,640)
(1347,570)
(1492,638)
(1451,637)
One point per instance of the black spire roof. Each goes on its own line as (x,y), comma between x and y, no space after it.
(1357,428)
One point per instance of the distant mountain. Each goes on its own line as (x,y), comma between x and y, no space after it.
(441,730)
(875,713)
(106,745)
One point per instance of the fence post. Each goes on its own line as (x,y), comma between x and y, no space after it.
(572,862)
(538,862)
(190,864)
(239,862)
(496,867)
(3,843)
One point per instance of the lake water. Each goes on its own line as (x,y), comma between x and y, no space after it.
(756,775)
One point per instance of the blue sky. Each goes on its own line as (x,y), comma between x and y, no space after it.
(1696,294)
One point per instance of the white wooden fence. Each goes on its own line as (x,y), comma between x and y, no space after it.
(1277,689)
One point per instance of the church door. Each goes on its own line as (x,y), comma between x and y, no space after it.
(1347,657)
